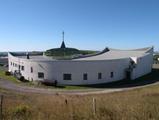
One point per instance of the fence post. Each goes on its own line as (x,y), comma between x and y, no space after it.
(1,109)
(66,102)
(94,106)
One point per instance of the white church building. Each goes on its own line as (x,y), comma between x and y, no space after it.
(108,66)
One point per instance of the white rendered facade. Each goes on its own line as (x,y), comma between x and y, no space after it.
(112,65)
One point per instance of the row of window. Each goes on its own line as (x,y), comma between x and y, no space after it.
(85,76)
(69,76)
(21,67)
(65,76)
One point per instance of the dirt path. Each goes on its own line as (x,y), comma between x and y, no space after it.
(6,84)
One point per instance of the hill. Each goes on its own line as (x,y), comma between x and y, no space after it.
(67,53)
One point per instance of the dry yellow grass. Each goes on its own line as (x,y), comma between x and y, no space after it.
(140,104)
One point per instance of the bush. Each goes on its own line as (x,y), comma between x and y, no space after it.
(50,83)
(7,73)
(22,78)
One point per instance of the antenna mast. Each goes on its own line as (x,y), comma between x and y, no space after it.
(63,36)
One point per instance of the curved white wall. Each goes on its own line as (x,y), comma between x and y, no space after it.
(54,70)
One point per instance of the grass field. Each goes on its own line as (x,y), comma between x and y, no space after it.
(139,104)
(11,78)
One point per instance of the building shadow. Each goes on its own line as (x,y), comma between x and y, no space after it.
(150,78)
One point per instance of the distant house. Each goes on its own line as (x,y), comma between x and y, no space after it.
(111,65)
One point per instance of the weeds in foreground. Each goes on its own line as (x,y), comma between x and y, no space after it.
(141,104)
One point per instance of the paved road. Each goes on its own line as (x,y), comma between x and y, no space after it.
(6,84)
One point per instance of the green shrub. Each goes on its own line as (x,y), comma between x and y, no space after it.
(7,73)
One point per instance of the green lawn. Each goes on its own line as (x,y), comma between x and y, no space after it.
(11,78)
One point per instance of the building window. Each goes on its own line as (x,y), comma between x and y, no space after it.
(85,77)
(31,69)
(19,67)
(22,68)
(40,75)
(112,74)
(99,75)
(11,63)
(67,77)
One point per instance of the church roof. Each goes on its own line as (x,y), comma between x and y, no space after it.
(63,45)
